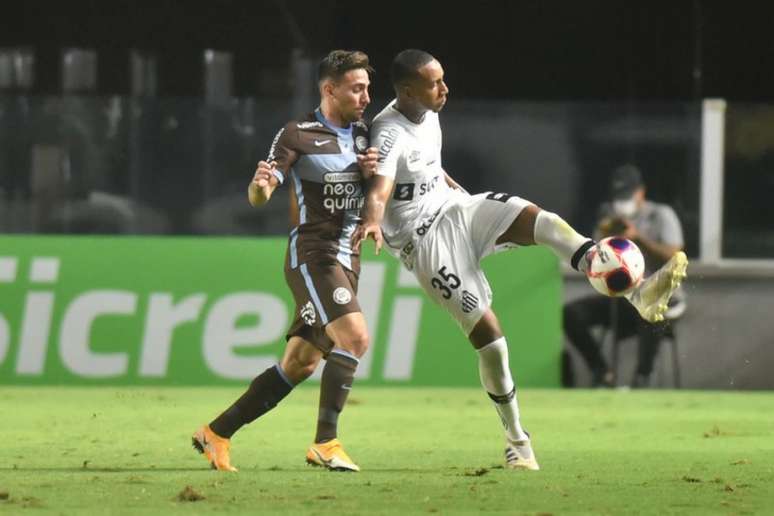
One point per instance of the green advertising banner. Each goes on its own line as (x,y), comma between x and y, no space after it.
(204,311)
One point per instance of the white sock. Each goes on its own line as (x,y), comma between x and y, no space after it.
(552,231)
(496,380)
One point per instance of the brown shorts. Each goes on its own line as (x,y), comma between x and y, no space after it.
(323,292)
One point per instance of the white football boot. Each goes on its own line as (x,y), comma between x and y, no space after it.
(519,455)
(651,296)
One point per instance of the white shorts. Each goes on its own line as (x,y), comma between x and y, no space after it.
(447,260)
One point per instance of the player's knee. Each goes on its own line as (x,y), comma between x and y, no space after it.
(357,343)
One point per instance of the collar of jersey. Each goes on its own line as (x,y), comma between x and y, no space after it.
(346,131)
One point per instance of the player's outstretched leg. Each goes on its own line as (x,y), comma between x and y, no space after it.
(554,232)
(496,379)
(651,296)
(335,384)
(263,394)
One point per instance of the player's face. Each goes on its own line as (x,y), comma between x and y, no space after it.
(350,95)
(430,90)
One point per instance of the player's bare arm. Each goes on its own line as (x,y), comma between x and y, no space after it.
(367,162)
(379,192)
(263,184)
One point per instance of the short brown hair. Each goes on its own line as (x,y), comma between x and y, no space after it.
(338,62)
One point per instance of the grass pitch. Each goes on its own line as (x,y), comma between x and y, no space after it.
(127,450)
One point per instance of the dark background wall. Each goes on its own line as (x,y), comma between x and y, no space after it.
(548,49)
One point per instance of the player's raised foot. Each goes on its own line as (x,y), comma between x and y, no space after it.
(214,447)
(330,455)
(519,455)
(651,296)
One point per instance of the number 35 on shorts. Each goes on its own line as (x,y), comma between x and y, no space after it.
(447,282)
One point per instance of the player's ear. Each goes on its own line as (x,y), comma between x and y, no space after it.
(326,88)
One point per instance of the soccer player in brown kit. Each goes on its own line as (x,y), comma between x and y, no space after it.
(323,156)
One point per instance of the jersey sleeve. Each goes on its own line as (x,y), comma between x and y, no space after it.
(283,149)
(388,140)
(671,229)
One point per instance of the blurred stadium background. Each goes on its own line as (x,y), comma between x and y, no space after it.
(129,131)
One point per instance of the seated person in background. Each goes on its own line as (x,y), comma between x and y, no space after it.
(655,228)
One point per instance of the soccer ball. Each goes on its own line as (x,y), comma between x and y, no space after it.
(616,266)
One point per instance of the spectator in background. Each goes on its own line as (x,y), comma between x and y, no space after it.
(655,228)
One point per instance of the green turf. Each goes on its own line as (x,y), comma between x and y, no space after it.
(113,451)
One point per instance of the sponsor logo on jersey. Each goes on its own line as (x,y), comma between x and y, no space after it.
(361,143)
(387,144)
(320,143)
(421,230)
(341,177)
(428,186)
(469,302)
(343,192)
(406,255)
(308,125)
(342,296)
(403,192)
(308,314)
(274,145)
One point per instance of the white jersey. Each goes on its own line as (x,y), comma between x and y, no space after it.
(439,233)
(410,154)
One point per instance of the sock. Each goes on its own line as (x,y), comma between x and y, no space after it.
(337,377)
(496,380)
(263,394)
(553,232)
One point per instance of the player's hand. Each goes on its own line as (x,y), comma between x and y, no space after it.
(264,174)
(362,232)
(367,162)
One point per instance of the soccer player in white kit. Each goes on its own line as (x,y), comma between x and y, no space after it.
(441,233)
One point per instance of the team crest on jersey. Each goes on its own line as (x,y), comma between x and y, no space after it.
(342,296)
(414,156)
(308,125)
(361,143)
(308,314)
(469,302)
